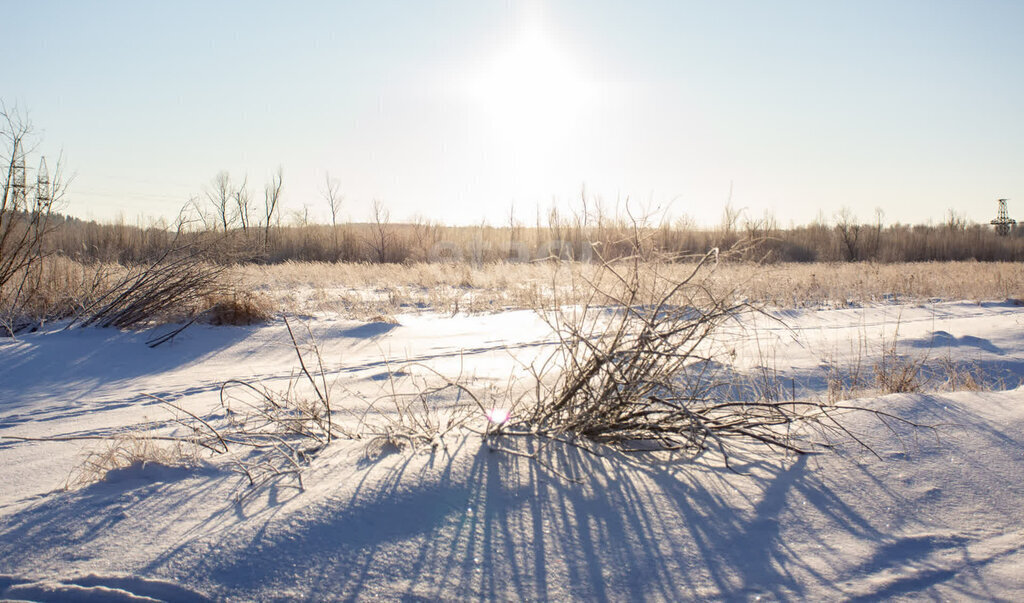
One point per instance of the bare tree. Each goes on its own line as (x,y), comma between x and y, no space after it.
(425,236)
(513,232)
(380,233)
(271,197)
(849,234)
(330,193)
(241,197)
(875,243)
(729,234)
(955,222)
(220,195)
(25,211)
(758,233)
(207,220)
(300,217)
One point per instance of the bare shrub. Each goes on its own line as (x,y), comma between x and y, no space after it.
(131,450)
(639,367)
(961,376)
(170,287)
(238,308)
(896,373)
(418,409)
(845,385)
(618,367)
(260,417)
(635,367)
(412,418)
(270,434)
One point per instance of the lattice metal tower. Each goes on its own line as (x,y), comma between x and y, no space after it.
(18,191)
(43,197)
(1003,222)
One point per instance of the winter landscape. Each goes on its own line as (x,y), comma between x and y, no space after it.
(419,503)
(532,300)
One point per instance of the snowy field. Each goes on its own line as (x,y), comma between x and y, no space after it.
(932,513)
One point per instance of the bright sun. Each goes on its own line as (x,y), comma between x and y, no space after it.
(533,95)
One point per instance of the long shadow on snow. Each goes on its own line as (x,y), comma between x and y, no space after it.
(46,539)
(67,363)
(506,527)
(483,524)
(78,354)
(946,340)
(84,360)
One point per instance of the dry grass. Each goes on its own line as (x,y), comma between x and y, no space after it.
(132,450)
(254,293)
(238,308)
(896,371)
(365,290)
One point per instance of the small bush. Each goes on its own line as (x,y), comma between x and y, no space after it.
(640,366)
(895,374)
(270,434)
(238,309)
(967,376)
(128,451)
(414,413)
(636,368)
(631,373)
(167,289)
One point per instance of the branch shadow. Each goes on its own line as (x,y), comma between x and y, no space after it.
(502,526)
(476,523)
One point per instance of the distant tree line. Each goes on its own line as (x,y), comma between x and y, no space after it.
(119,274)
(234,236)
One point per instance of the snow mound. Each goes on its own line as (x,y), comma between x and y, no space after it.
(97,589)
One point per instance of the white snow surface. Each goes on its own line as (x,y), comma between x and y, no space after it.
(934,514)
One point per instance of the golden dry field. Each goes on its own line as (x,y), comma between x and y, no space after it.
(363,290)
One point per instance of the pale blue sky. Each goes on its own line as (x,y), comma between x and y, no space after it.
(457,109)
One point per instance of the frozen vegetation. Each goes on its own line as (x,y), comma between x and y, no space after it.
(891,509)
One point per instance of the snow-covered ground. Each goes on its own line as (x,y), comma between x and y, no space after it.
(934,514)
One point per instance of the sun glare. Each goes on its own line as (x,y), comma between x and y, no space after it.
(533,96)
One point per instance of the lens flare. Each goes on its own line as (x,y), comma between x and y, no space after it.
(498,416)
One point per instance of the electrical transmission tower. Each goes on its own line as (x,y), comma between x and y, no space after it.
(1003,222)
(18,192)
(43,196)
